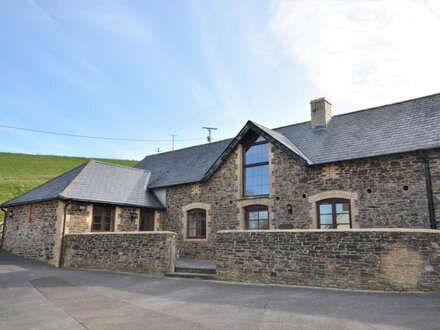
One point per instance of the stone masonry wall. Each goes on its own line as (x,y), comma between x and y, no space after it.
(386,191)
(434,160)
(383,259)
(220,193)
(35,235)
(127,219)
(78,218)
(140,252)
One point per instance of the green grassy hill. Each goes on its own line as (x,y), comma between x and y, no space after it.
(21,172)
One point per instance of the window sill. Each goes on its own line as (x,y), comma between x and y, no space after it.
(196,240)
(254,197)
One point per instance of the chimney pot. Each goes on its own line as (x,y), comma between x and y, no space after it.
(321,111)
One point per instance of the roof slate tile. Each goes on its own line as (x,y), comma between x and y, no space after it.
(98,182)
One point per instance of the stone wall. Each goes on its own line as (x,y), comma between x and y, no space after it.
(434,160)
(385,191)
(78,218)
(34,231)
(127,219)
(139,252)
(220,193)
(382,259)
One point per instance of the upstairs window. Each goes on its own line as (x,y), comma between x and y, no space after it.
(196,224)
(103,216)
(334,214)
(256,169)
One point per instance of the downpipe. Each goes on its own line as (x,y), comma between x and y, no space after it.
(428,180)
(4,227)
(61,256)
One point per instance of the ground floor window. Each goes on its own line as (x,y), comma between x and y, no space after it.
(196,223)
(146,222)
(103,218)
(257,217)
(334,214)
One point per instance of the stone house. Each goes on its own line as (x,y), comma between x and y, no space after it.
(374,168)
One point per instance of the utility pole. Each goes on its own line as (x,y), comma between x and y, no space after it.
(173,136)
(158,150)
(209,129)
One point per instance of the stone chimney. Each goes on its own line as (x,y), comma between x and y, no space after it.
(321,112)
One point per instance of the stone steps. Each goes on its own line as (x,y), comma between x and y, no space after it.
(195,270)
(192,268)
(199,276)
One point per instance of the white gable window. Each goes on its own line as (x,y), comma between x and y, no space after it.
(256,169)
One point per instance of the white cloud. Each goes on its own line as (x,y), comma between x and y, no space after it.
(363,53)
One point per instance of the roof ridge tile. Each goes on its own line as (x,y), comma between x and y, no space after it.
(64,193)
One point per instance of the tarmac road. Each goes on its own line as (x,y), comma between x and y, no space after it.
(34,295)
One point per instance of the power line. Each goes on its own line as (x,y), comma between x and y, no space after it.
(93,137)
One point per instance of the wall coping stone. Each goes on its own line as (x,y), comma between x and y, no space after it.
(390,230)
(123,233)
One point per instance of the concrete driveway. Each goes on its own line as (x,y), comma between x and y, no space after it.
(36,296)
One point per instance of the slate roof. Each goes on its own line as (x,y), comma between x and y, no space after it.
(95,181)
(47,191)
(284,141)
(389,129)
(395,128)
(183,165)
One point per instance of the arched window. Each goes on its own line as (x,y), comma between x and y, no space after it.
(196,223)
(334,213)
(257,217)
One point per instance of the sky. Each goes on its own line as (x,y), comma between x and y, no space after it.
(149,69)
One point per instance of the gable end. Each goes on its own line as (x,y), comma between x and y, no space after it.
(251,127)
